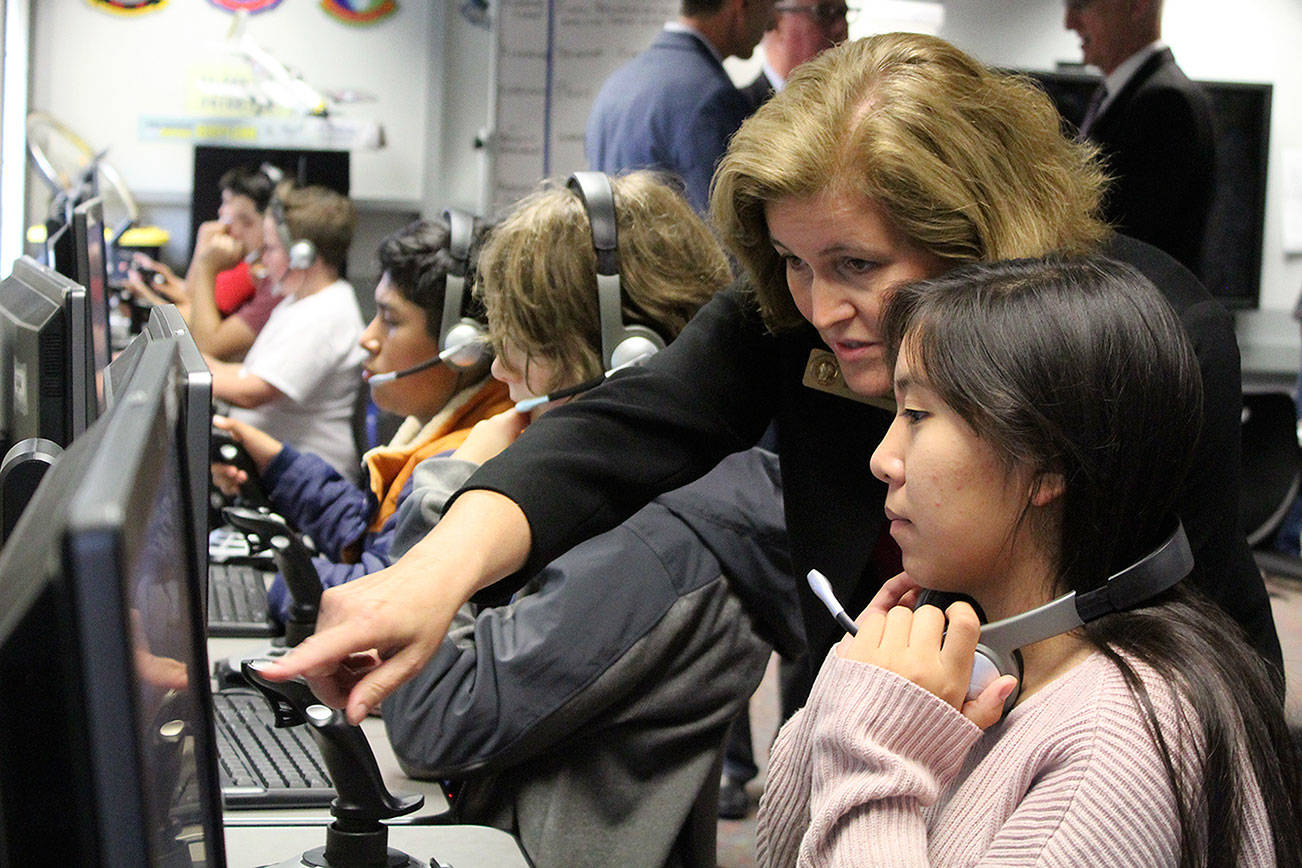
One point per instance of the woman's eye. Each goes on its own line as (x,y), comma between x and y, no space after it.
(913,416)
(858,266)
(791,262)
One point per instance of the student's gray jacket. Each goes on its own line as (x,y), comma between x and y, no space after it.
(586,716)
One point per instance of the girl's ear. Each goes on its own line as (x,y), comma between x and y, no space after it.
(1047,488)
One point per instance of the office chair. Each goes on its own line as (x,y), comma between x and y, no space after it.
(1272,463)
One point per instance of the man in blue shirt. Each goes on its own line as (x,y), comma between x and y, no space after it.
(673,107)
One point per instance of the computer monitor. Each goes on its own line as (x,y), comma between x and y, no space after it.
(107,750)
(47,365)
(119,370)
(92,273)
(60,251)
(47,378)
(166,324)
(325,168)
(1237,221)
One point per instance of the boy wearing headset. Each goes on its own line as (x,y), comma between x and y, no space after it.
(224,298)
(299,380)
(587,723)
(422,265)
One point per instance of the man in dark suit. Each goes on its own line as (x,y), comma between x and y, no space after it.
(1153,125)
(673,106)
(801,30)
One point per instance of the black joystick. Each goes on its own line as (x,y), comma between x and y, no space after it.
(294,562)
(356,838)
(225,449)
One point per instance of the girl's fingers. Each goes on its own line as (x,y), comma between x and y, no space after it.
(928,627)
(893,593)
(963,629)
(899,625)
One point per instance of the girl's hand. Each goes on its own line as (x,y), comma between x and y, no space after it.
(933,649)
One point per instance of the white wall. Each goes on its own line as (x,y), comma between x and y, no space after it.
(430,70)
(459,178)
(101,73)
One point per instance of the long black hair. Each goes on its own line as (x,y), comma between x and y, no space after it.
(1080,368)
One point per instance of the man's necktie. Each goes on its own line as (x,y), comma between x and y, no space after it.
(1092,110)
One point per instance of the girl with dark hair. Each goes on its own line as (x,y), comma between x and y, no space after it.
(1047,412)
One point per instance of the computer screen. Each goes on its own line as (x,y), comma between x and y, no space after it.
(1236,225)
(166,324)
(92,273)
(107,751)
(47,358)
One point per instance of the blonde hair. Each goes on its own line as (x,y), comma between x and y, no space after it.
(537,271)
(969,163)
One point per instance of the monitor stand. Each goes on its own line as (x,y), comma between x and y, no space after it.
(20,473)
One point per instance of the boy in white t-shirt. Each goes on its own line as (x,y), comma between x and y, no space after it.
(300,378)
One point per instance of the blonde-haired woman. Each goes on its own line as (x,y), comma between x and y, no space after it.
(883,161)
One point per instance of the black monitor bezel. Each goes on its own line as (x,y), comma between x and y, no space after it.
(166,323)
(74,299)
(80,549)
(88,229)
(1070,91)
(57,336)
(119,486)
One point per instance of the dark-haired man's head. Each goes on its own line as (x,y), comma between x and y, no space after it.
(733,27)
(245,194)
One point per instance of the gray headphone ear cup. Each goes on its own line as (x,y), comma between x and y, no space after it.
(302,254)
(469,348)
(637,344)
(989,665)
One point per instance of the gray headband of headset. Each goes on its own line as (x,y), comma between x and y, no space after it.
(594,191)
(461,231)
(1159,570)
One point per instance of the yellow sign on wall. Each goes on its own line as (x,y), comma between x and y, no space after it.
(226,88)
(128,7)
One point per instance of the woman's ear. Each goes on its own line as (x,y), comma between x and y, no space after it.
(1047,488)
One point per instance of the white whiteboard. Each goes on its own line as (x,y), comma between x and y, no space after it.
(551,59)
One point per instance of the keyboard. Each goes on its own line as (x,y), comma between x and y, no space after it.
(261,766)
(237,601)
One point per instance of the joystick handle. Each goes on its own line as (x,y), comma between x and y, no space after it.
(294,562)
(225,449)
(363,799)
